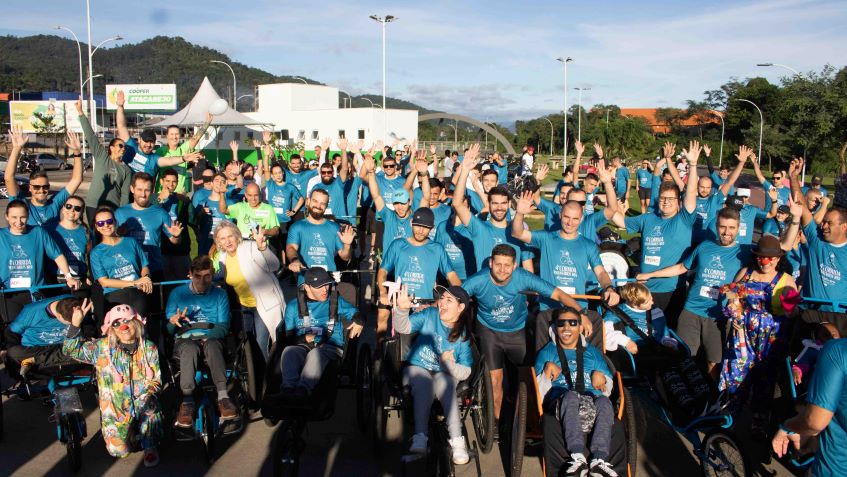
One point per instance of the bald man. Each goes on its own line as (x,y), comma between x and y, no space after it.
(251,213)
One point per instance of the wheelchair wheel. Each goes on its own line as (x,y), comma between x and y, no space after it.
(286,460)
(721,456)
(482,411)
(628,419)
(380,397)
(518,431)
(615,264)
(364,394)
(247,377)
(208,433)
(439,454)
(73,444)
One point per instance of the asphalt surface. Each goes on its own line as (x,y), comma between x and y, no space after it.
(333,448)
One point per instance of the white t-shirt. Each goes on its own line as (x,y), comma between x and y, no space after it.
(527,161)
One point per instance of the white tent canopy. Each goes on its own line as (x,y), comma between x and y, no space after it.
(194,113)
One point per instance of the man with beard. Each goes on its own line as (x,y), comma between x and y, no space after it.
(315,241)
(415,261)
(711,199)
(496,230)
(177,261)
(298,177)
(502,311)
(146,224)
(334,186)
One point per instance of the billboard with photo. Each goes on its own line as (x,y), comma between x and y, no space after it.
(45,116)
(143,97)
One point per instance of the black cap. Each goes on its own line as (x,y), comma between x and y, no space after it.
(424,217)
(783,209)
(458,292)
(816,179)
(735,202)
(317,277)
(148,135)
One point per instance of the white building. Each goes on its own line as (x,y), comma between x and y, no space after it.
(309,113)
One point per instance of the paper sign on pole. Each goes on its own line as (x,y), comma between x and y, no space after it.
(143,97)
(31,115)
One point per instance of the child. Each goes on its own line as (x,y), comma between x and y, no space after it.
(639,308)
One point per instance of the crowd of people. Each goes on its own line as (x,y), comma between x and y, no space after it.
(717,274)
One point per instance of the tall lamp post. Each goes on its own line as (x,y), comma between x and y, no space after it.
(301,79)
(93,105)
(579,113)
(242,96)
(81,88)
(551,135)
(384,21)
(234,84)
(368,100)
(761,123)
(565,62)
(798,75)
(720,116)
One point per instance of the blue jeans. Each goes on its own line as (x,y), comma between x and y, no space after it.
(253,325)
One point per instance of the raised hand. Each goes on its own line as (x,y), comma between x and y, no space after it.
(326,143)
(233,146)
(175,228)
(471,159)
(72,141)
(379,146)
(524,203)
(17,136)
(369,164)
(79,312)
(543,170)
(266,137)
(707,150)
(120,99)
(259,237)
(796,167)
(795,208)
(193,157)
(359,145)
(347,235)
(772,193)
(256,144)
(421,166)
(432,148)
(78,106)
(744,153)
(580,148)
(401,299)
(603,172)
(668,149)
(693,152)
(599,150)
(180,316)
(342,144)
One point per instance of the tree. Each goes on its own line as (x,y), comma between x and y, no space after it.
(48,125)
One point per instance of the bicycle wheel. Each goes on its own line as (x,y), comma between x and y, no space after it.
(482,411)
(73,435)
(364,394)
(518,431)
(285,459)
(207,435)
(721,456)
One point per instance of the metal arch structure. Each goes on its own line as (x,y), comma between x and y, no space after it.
(465,119)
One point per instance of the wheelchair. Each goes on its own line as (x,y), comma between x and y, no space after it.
(59,387)
(390,395)
(710,430)
(241,382)
(293,417)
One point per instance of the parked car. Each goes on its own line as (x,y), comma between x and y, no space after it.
(23,186)
(3,161)
(86,163)
(47,161)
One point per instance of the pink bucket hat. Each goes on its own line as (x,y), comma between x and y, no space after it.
(120,312)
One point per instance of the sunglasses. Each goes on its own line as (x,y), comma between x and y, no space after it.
(326,173)
(76,208)
(767,259)
(39,187)
(208,178)
(777,178)
(581,203)
(119,323)
(389,166)
(571,323)
(120,146)
(103,223)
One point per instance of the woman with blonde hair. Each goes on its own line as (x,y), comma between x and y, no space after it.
(128,380)
(248,266)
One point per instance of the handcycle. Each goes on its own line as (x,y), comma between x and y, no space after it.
(208,426)
(535,421)
(687,401)
(391,395)
(294,415)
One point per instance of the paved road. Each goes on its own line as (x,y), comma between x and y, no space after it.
(335,447)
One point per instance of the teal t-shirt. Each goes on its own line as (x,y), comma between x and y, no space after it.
(592,361)
(417,266)
(37,326)
(459,248)
(639,318)
(46,214)
(395,226)
(337,206)
(317,244)
(319,319)
(282,198)
(73,243)
(210,307)
(644,178)
(663,243)
(22,257)
(140,162)
(826,264)
(587,227)
(485,235)
(567,264)
(713,266)
(503,307)
(828,390)
(433,340)
(300,179)
(705,211)
(122,261)
(621,178)
(146,227)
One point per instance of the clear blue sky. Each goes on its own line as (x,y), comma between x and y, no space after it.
(489,59)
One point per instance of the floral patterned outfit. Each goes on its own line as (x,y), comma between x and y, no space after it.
(128,381)
(755,332)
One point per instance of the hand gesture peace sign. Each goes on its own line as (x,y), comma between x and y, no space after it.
(178,317)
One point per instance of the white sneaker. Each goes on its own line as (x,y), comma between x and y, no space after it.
(460,451)
(419,442)
(578,466)
(601,468)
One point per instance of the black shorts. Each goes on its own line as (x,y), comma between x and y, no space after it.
(700,332)
(643,193)
(495,345)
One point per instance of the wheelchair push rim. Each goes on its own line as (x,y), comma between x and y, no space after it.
(721,456)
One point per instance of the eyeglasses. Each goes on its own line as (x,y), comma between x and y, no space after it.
(208,178)
(103,223)
(571,323)
(39,186)
(777,178)
(76,208)
(326,173)
(668,200)
(120,146)
(389,166)
(119,323)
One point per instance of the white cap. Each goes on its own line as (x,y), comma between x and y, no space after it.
(743,192)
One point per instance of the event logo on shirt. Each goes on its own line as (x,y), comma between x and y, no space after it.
(19,267)
(196,314)
(830,275)
(123,269)
(716,262)
(502,309)
(317,249)
(655,239)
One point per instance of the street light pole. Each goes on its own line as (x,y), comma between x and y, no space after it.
(551,135)
(234,84)
(565,62)
(720,116)
(798,75)
(579,113)
(761,124)
(81,87)
(242,96)
(384,21)
(301,79)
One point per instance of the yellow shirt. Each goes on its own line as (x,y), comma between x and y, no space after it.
(236,280)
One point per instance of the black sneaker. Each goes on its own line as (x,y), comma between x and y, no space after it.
(577,466)
(601,468)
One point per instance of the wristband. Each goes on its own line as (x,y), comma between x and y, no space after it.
(786,430)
